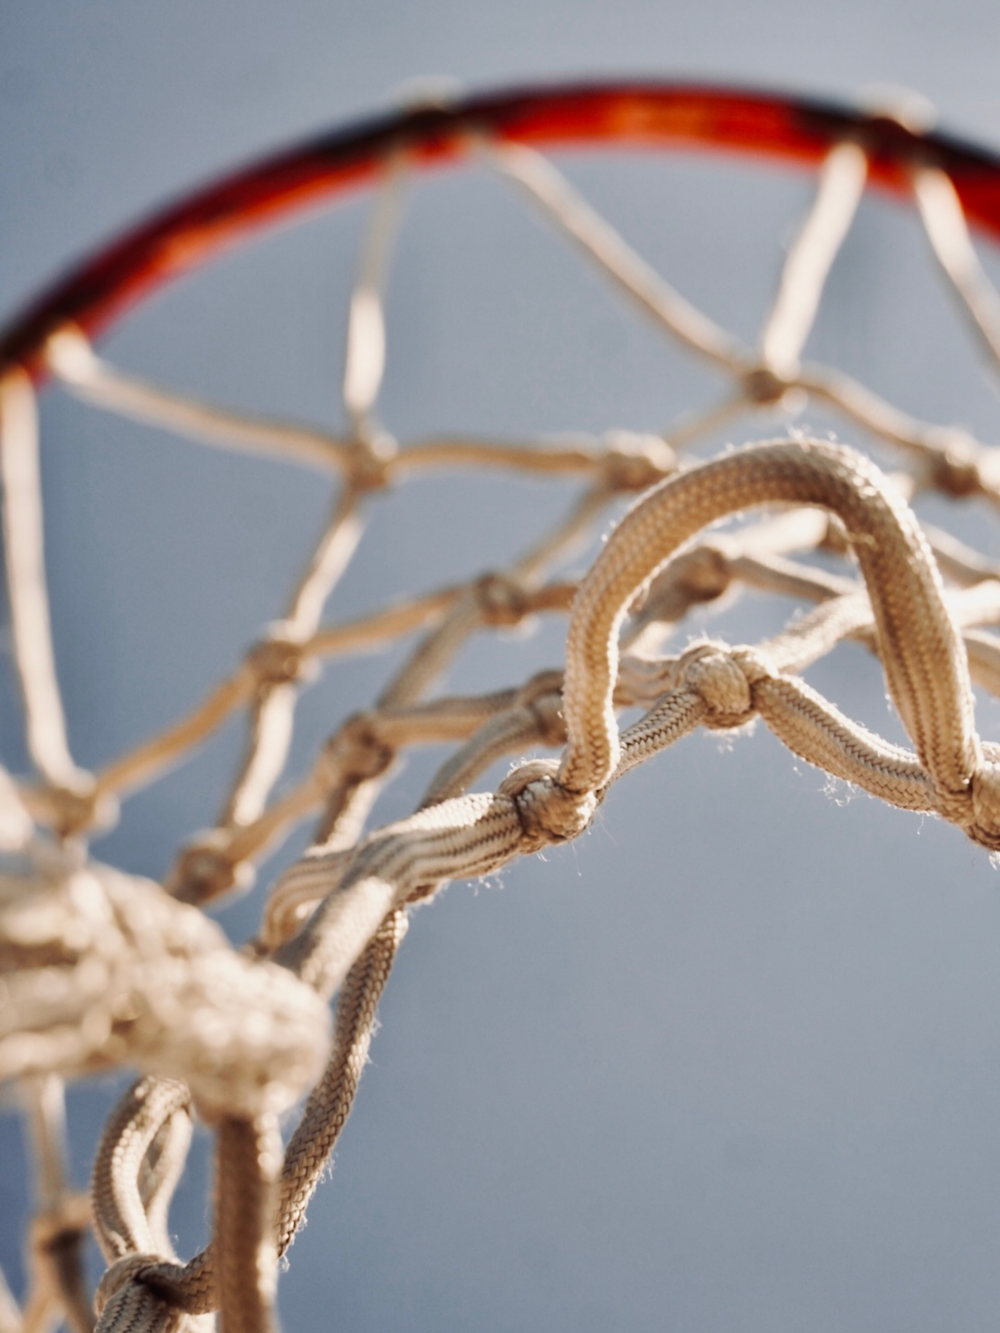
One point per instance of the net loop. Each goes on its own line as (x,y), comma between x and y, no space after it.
(139,1161)
(925,666)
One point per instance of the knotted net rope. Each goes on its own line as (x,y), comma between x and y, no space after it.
(103,969)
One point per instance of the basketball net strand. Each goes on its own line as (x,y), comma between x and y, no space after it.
(103,969)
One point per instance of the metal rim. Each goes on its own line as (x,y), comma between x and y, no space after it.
(662,116)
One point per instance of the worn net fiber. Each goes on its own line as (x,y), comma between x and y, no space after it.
(103,969)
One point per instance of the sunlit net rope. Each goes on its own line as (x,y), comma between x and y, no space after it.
(102,968)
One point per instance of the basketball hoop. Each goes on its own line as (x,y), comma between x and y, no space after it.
(105,969)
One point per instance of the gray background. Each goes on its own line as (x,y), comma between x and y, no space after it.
(732,1061)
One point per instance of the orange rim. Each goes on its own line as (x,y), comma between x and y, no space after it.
(183,236)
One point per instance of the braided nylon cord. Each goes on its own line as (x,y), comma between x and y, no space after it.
(103,968)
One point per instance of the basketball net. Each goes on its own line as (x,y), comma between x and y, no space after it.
(105,969)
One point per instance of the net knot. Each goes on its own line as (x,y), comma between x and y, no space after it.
(501,601)
(764,387)
(160,1272)
(835,539)
(280,659)
(955,469)
(542,697)
(636,462)
(356,752)
(369,461)
(985,802)
(66,1222)
(548,811)
(702,574)
(205,869)
(705,572)
(73,809)
(724,678)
